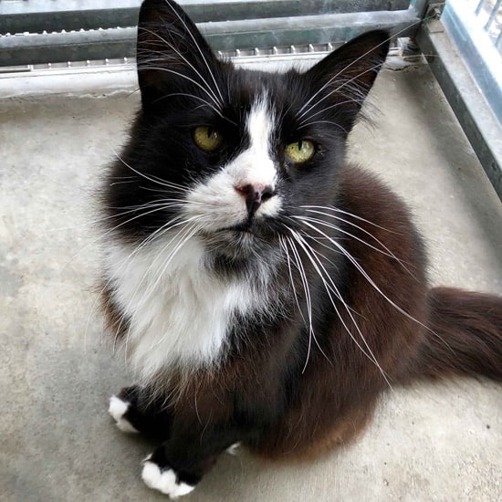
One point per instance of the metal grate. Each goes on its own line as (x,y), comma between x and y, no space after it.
(82,35)
(490,12)
(39,32)
(475,26)
(460,47)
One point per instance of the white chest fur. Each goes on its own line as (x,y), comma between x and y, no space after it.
(178,311)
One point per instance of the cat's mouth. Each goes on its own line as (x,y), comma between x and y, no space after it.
(237,240)
(245,227)
(233,235)
(249,230)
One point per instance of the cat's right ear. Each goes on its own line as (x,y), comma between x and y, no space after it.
(343,79)
(172,55)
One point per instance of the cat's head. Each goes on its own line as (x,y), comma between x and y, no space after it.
(231,155)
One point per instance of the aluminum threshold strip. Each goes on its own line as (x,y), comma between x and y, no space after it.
(36,16)
(473,112)
(223,36)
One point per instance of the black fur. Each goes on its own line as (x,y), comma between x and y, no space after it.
(282,387)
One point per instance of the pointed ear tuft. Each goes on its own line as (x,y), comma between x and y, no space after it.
(344,78)
(171,52)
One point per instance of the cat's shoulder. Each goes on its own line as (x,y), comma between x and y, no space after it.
(365,193)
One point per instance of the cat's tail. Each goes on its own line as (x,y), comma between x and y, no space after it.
(464,337)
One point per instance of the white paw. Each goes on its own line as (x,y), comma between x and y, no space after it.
(117,410)
(164,481)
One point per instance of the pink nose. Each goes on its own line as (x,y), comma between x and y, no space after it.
(254,194)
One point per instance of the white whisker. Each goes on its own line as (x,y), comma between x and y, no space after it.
(385,252)
(199,50)
(370,280)
(301,242)
(337,210)
(308,299)
(331,287)
(181,75)
(187,62)
(346,67)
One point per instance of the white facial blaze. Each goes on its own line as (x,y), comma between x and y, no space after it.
(178,311)
(216,202)
(254,166)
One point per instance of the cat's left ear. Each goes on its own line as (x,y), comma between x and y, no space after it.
(172,55)
(344,78)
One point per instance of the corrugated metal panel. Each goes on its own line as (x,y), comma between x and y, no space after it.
(222,35)
(36,16)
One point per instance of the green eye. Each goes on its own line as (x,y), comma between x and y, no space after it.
(301,151)
(207,138)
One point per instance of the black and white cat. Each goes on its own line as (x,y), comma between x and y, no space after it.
(265,291)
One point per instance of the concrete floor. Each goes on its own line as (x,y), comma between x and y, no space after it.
(57,442)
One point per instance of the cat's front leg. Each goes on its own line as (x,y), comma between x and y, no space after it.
(178,465)
(136,409)
(159,474)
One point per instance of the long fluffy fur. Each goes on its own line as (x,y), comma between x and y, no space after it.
(308,304)
(465,337)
